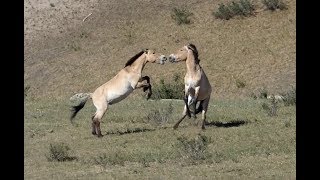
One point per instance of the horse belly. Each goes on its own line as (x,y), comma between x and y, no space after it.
(118,95)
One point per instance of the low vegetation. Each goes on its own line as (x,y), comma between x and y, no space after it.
(289,97)
(194,150)
(239,135)
(239,8)
(181,15)
(169,90)
(59,152)
(274,4)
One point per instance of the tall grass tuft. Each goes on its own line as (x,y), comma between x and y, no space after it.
(289,98)
(104,160)
(274,4)
(170,90)
(59,152)
(240,8)
(160,116)
(181,16)
(194,150)
(271,108)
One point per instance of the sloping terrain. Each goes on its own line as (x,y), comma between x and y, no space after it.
(66,55)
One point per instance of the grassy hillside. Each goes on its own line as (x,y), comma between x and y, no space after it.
(64,55)
(245,138)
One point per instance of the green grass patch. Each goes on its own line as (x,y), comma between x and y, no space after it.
(169,90)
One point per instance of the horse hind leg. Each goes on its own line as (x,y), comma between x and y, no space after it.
(96,119)
(94,132)
(205,104)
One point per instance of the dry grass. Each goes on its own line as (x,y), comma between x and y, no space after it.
(259,50)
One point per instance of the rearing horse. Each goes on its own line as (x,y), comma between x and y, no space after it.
(197,86)
(119,87)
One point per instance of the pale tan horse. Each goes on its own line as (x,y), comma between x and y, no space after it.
(119,87)
(197,86)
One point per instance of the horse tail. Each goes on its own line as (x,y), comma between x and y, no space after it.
(200,108)
(82,99)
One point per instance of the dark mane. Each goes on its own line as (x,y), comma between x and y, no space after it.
(195,52)
(134,58)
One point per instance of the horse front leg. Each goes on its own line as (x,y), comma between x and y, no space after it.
(184,114)
(144,83)
(186,95)
(194,100)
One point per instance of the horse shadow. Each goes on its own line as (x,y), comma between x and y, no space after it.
(129,131)
(232,123)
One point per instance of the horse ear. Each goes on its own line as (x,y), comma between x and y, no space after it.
(146,50)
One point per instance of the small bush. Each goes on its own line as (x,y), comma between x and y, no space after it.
(59,152)
(241,8)
(247,7)
(240,84)
(271,109)
(171,90)
(26,90)
(274,4)
(263,93)
(253,95)
(104,160)
(289,98)
(223,12)
(194,150)
(160,116)
(181,16)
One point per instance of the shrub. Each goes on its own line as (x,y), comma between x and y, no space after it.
(171,90)
(181,16)
(263,93)
(274,4)
(104,160)
(194,150)
(289,98)
(247,7)
(241,8)
(271,109)
(59,152)
(26,90)
(160,116)
(240,84)
(223,12)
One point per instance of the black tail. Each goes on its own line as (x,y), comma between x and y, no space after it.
(76,109)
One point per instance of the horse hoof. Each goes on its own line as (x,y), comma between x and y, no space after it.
(100,135)
(175,127)
(94,133)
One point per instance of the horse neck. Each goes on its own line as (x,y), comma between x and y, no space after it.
(192,66)
(138,65)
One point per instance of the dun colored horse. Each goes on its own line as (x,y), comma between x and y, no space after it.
(119,87)
(197,86)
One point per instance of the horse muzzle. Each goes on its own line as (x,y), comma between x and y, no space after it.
(162,59)
(172,58)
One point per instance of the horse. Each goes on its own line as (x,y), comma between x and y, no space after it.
(197,86)
(118,88)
